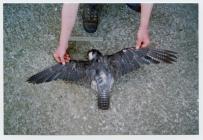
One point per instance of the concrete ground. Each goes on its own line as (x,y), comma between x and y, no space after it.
(156,99)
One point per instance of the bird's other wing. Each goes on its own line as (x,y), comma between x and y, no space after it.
(72,71)
(130,59)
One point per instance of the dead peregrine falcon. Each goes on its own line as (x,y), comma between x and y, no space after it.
(101,70)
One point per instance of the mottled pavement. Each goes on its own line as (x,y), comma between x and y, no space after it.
(161,99)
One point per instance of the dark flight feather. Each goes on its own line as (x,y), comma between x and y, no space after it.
(130,59)
(72,71)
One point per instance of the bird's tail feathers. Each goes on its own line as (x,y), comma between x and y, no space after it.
(103,101)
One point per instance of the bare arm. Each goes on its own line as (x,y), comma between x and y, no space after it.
(146,10)
(68,17)
(143,39)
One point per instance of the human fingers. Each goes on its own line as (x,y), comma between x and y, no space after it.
(138,44)
(56,57)
(62,60)
(145,44)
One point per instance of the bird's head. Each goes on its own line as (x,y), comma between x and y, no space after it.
(94,54)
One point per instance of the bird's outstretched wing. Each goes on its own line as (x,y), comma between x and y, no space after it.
(72,71)
(130,59)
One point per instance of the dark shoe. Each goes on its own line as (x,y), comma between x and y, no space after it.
(135,7)
(90,18)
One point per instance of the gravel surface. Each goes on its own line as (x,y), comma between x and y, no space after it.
(156,99)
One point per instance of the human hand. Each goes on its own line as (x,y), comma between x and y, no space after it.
(143,39)
(61,56)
